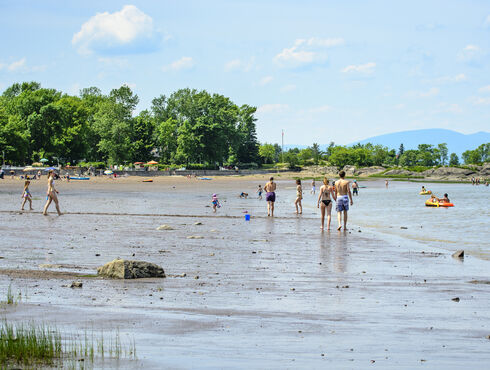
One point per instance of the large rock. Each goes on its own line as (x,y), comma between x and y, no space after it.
(485,171)
(399,172)
(124,269)
(367,171)
(349,170)
(329,171)
(448,172)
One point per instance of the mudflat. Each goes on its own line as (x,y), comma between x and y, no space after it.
(264,293)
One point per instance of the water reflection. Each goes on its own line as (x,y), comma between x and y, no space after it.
(333,251)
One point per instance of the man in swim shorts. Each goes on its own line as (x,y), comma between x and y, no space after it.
(342,190)
(270,196)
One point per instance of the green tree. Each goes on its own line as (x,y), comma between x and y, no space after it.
(142,137)
(454,160)
(442,153)
(267,152)
(316,153)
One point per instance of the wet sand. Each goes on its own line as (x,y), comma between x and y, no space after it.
(268,293)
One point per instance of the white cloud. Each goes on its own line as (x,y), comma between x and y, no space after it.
(481,101)
(360,68)
(306,51)
(180,64)
(126,31)
(113,61)
(240,65)
(469,53)
(288,88)
(265,80)
(320,109)
(449,107)
(131,85)
(14,66)
(451,79)
(424,94)
(272,108)
(487,21)
(484,89)
(21,66)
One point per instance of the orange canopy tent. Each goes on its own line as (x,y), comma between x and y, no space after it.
(152,162)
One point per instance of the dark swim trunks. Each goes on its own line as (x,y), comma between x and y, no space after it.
(355,191)
(326,202)
(270,196)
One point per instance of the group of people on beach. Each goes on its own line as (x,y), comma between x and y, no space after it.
(51,194)
(339,192)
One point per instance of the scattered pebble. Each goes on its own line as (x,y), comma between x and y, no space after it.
(165,227)
(456,299)
(76,284)
(195,237)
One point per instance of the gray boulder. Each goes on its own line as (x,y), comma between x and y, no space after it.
(366,171)
(485,171)
(398,172)
(124,269)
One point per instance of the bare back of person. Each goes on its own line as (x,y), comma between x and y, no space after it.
(342,187)
(270,187)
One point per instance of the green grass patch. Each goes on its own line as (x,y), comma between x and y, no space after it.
(38,345)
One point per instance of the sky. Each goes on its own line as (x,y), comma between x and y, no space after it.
(321,71)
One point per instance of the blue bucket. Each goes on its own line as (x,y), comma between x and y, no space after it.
(247,217)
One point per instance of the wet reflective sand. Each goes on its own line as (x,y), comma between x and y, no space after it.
(268,293)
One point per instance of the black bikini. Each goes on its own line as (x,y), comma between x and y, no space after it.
(326,202)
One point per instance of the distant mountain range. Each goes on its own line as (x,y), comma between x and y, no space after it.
(456,142)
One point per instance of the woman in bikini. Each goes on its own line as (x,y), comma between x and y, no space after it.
(299,197)
(326,202)
(51,194)
(26,195)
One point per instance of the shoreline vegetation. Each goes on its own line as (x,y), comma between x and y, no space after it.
(190,129)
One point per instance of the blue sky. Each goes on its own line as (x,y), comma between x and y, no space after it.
(321,70)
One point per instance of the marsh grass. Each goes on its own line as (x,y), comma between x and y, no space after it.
(11,298)
(33,345)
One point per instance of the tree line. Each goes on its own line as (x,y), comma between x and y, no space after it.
(189,126)
(365,155)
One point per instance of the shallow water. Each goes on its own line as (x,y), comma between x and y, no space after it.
(263,293)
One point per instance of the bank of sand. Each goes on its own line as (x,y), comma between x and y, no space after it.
(269,293)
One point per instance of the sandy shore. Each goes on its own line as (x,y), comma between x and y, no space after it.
(259,294)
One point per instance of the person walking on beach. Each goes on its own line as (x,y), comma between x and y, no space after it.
(326,203)
(313,187)
(270,196)
(26,196)
(299,196)
(342,190)
(51,194)
(259,191)
(386,184)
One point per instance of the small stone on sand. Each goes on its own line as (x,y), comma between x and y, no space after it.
(165,227)
(458,254)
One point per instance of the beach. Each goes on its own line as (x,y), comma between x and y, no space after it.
(265,293)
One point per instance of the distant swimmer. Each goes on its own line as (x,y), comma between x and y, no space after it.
(270,196)
(355,188)
(313,186)
(215,202)
(259,192)
(299,197)
(386,183)
(51,194)
(326,202)
(342,190)
(26,196)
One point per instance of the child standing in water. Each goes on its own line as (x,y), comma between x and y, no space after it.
(259,191)
(299,196)
(215,202)
(26,195)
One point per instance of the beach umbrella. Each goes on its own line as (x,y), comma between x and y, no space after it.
(44,160)
(28,168)
(138,162)
(108,172)
(152,162)
(37,164)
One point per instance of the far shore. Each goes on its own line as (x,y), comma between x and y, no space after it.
(436,174)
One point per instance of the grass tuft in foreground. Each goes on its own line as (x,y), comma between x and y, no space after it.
(31,344)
